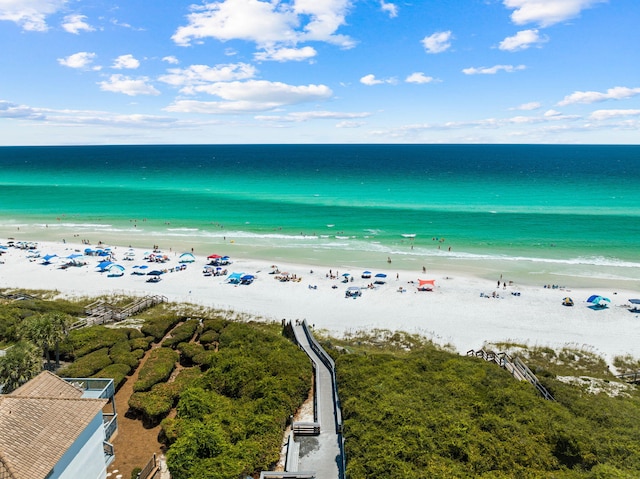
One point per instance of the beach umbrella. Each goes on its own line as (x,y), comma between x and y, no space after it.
(595,299)
(49,257)
(346,275)
(116,270)
(187,258)
(381,275)
(155,272)
(104,265)
(634,301)
(214,256)
(74,256)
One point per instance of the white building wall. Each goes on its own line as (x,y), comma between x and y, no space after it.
(85,458)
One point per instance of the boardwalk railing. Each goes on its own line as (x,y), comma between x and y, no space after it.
(101,312)
(515,366)
(631,377)
(150,470)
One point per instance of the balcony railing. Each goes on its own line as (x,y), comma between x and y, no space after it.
(109,453)
(95,387)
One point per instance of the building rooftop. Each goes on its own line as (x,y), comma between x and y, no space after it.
(39,422)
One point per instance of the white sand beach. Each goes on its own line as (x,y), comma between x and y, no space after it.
(460,311)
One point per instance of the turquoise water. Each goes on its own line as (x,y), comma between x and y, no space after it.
(530,210)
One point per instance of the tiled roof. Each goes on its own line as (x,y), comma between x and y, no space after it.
(47,384)
(37,430)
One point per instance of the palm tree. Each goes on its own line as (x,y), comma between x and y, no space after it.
(46,330)
(22,362)
(61,323)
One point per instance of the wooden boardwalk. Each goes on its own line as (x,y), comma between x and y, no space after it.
(316,449)
(102,312)
(515,366)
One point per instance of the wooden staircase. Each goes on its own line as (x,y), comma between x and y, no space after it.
(515,366)
(102,312)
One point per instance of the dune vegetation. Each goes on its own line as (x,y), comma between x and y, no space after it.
(223,389)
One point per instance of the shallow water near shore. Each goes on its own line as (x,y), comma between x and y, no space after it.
(567,215)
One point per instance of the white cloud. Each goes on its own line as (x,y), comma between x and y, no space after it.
(302,116)
(371,80)
(552,113)
(30,14)
(125,61)
(286,54)
(390,8)
(350,124)
(522,40)
(492,70)
(79,60)
(76,24)
(609,114)
(171,59)
(266,91)
(20,112)
(546,12)
(195,75)
(532,105)
(266,23)
(437,42)
(128,86)
(616,93)
(68,117)
(419,77)
(251,96)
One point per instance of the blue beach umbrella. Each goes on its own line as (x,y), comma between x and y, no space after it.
(116,270)
(155,272)
(104,265)
(595,299)
(74,256)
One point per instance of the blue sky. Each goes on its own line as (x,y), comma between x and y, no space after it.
(319,71)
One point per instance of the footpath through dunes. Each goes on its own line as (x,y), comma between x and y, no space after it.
(135,443)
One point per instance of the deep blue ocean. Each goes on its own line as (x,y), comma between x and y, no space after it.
(536,209)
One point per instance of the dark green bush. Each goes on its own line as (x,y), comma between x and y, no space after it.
(85,340)
(182,333)
(158,367)
(152,406)
(117,372)
(88,365)
(143,343)
(158,327)
(188,351)
(254,381)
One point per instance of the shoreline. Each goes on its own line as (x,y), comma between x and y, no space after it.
(461,310)
(522,267)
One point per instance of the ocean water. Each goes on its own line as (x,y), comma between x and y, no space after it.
(536,213)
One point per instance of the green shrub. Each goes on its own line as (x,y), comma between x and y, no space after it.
(152,406)
(88,365)
(117,372)
(143,343)
(209,337)
(86,340)
(182,333)
(158,327)
(188,351)
(156,369)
